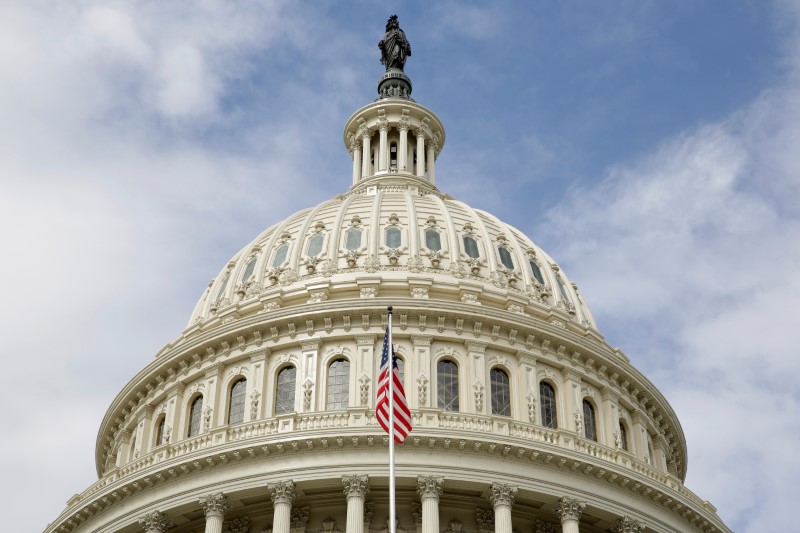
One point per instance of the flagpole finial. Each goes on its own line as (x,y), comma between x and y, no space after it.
(390,309)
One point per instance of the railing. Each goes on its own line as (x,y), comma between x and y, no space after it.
(189,446)
(252,430)
(465,422)
(322,421)
(532,432)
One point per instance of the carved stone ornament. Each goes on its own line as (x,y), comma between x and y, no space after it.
(422,388)
(207,417)
(470,299)
(531,399)
(545,527)
(393,254)
(215,504)
(477,389)
(281,492)
(485,519)
(454,526)
(308,386)
(369,508)
(420,293)
(254,396)
(372,263)
(416,512)
(457,270)
(364,380)
(239,525)
(355,486)
(578,421)
(299,517)
(369,292)
(502,494)
(569,509)
(329,526)
(415,264)
(627,525)
(352,258)
(155,522)
(435,258)
(429,487)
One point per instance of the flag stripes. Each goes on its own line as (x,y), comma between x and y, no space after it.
(402,415)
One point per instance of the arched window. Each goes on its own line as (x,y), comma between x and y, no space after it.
(623,437)
(280,255)
(501,392)
(315,245)
(162,420)
(249,269)
(393,237)
(401,370)
(537,272)
(195,417)
(471,247)
(505,257)
(447,385)
(236,403)
(433,241)
(547,401)
(353,239)
(339,385)
(284,395)
(589,427)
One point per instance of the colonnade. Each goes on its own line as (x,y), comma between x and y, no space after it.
(501,497)
(361,148)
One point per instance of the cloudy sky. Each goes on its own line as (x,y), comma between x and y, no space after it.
(652,148)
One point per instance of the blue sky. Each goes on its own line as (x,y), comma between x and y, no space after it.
(650,147)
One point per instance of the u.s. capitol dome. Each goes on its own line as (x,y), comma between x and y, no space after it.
(260,416)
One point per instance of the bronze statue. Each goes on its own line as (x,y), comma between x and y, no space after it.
(395,48)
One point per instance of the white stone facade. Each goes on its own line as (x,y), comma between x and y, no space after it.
(306,293)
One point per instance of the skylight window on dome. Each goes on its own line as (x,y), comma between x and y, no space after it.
(393,237)
(222,287)
(315,245)
(505,257)
(433,241)
(249,269)
(280,255)
(537,272)
(353,239)
(471,247)
(562,289)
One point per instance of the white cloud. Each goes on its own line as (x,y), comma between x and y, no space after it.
(696,245)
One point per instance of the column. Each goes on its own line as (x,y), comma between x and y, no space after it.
(215,506)
(402,148)
(355,147)
(431,160)
(366,154)
(429,489)
(355,488)
(569,510)
(639,437)
(282,494)
(420,153)
(383,148)
(155,522)
(501,496)
(627,525)
(660,448)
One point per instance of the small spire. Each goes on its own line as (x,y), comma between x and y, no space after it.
(395,49)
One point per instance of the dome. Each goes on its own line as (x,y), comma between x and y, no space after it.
(261,416)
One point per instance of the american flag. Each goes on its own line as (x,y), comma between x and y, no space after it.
(402,415)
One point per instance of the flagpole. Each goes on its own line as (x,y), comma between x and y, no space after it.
(391,428)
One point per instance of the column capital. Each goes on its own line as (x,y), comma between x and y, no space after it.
(429,487)
(627,525)
(355,486)
(155,522)
(282,492)
(215,504)
(502,494)
(569,509)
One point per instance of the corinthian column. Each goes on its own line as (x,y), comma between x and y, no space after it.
(420,153)
(429,489)
(501,496)
(155,522)
(282,494)
(569,510)
(356,489)
(215,506)
(627,525)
